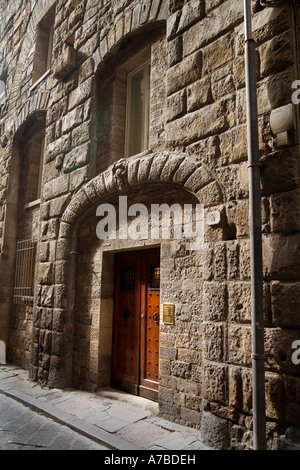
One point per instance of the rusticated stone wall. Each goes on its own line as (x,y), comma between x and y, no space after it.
(197,152)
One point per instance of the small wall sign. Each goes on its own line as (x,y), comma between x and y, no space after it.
(169,314)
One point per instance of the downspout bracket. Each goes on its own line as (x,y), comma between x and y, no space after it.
(259,164)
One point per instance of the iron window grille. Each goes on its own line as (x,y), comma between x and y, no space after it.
(25,272)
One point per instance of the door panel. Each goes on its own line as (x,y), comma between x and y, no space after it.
(125,364)
(135,354)
(150,323)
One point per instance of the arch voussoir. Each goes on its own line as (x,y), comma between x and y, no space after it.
(198,179)
(99,186)
(170,168)
(144,169)
(158,163)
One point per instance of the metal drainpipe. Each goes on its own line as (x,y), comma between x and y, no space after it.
(258,366)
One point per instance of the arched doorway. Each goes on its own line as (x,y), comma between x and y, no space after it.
(149,179)
(121,284)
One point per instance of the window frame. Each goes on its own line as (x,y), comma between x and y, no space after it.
(43,47)
(146,68)
(34,181)
(3,93)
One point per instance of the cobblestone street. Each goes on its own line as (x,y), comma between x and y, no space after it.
(112,419)
(24,429)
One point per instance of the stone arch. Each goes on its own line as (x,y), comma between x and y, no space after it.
(177,169)
(136,19)
(34,106)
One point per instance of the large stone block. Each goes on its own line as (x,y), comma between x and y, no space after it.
(220,262)
(58,205)
(215,382)
(239,302)
(239,345)
(195,126)
(233,265)
(175,51)
(274,396)
(180,369)
(80,94)
(215,432)
(199,94)
(281,256)
(46,296)
(268,24)
(285,302)
(192,11)
(214,341)
(56,187)
(276,54)
(217,54)
(80,135)
(213,25)
(45,274)
(285,211)
(76,158)
(59,320)
(279,350)
(176,105)
(73,119)
(233,145)
(184,73)
(57,147)
(49,230)
(215,301)
(274,91)
(235,387)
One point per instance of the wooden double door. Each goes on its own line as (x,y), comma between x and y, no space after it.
(135,355)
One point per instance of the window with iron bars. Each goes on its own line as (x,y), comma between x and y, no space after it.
(25,272)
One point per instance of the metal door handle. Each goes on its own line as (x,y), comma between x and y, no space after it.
(156,317)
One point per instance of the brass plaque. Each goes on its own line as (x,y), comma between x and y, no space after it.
(169,314)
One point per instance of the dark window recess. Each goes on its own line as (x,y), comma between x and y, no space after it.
(154,277)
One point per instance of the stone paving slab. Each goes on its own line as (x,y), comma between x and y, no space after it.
(118,420)
(23,429)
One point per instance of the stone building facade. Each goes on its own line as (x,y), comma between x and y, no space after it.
(145,100)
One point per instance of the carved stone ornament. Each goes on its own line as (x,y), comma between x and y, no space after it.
(120,174)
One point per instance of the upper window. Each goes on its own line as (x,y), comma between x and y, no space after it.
(44,45)
(2,92)
(125,110)
(33,153)
(35,170)
(138,110)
